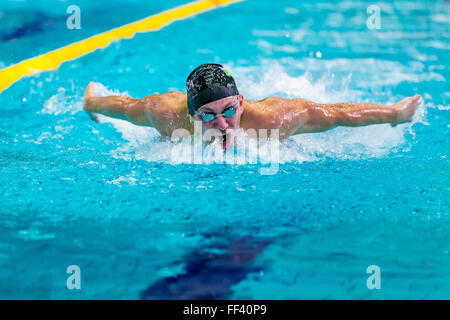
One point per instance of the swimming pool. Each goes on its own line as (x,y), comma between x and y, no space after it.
(107,198)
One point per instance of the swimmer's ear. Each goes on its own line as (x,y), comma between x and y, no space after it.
(241,103)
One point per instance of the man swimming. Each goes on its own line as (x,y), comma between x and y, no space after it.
(213,98)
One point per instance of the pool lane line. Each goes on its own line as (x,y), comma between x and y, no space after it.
(53,59)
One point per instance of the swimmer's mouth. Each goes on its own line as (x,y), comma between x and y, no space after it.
(224,140)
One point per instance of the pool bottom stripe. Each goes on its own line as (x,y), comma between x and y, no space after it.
(211,272)
(53,59)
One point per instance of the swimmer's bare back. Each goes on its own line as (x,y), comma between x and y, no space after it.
(168,112)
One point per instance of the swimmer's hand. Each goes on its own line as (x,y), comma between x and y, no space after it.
(89,93)
(405,109)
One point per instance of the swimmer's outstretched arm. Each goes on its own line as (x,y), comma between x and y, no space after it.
(164,112)
(118,107)
(314,117)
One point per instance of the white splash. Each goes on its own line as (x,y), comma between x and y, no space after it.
(61,103)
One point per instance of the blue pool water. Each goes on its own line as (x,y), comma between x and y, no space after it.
(107,198)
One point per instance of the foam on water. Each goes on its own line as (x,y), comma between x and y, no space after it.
(61,103)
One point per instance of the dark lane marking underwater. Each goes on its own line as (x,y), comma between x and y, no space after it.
(22,26)
(210,276)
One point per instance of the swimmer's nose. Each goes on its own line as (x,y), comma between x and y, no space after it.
(222,124)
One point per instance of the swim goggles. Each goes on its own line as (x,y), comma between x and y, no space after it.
(210,116)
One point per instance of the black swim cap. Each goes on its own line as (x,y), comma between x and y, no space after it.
(208,82)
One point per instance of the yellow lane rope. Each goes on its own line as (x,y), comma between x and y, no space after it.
(53,59)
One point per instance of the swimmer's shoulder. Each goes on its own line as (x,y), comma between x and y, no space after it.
(168,111)
(173,101)
(170,105)
(273,113)
(264,113)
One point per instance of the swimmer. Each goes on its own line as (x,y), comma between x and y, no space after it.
(213,98)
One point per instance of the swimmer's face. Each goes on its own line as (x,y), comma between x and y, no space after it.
(224,124)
